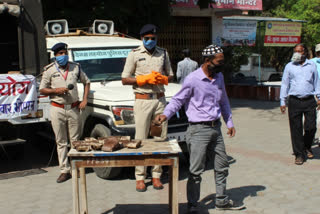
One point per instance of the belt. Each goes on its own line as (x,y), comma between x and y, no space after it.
(149,96)
(302,98)
(212,123)
(66,107)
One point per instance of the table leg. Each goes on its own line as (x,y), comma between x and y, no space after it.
(173,187)
(75,188)
(170,186)
(83,183)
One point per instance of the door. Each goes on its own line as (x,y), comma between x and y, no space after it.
(185,32)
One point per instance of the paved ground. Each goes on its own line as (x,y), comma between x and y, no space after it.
(263,177)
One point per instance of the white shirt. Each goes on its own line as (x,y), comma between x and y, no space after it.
(185,67)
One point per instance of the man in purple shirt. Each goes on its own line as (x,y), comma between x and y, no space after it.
(205,99)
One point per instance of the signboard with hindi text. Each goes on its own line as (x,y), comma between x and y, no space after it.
(239,33)
(223,4)
(18,95)
(100,54)
(282,34)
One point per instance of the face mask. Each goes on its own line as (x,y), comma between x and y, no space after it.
(214,69)
(318,60)
(297,58)
(62,60)
(149,44)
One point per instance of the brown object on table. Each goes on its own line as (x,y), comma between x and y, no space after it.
(83,148)
(128,138)
(133,144)
(82,145)
(96,145)
(89,139)
(111,144)
(124,140)
(155,129)
(104,138)
(76,143)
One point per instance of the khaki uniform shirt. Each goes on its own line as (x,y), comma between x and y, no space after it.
(53,78)
(141,62)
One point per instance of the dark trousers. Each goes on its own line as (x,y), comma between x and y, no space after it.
(302,134)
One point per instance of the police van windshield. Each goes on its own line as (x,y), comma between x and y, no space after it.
(102,64)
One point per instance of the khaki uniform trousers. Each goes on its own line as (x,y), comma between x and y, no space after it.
(144,112)
(64,123)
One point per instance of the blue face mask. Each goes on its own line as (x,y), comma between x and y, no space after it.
(62,60)
(150,44)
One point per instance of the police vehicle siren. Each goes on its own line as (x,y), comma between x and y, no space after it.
(55,27)
(103,27)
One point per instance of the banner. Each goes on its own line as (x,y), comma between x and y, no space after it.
(224,4)
(18,95)
(100,54)
(239,33)
(282,34)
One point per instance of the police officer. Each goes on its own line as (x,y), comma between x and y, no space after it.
(59,81)
(148,69)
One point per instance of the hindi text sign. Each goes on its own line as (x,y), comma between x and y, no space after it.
(282,34)
(18,95)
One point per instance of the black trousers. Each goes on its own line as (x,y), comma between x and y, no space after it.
(302,134)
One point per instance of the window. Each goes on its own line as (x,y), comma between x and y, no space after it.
(102,64)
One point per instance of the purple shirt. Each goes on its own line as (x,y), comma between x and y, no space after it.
(204,99)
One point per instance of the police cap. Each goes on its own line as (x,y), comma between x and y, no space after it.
(58,47)
(148,29)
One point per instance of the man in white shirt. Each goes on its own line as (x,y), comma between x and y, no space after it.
(186,66)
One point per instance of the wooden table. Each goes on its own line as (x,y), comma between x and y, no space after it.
(149,154)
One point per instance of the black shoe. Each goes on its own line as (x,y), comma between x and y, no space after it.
(192,208)
(230,206)
(299,160)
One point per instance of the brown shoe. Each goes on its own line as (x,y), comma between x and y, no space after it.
(140,186)
(309,154)
(63,177)
(299,160)
(157,183)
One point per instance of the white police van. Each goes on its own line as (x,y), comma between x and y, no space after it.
(102,55)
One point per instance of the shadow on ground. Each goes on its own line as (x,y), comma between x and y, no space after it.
(316,152)
(207,203)
(254,104)
(31,155)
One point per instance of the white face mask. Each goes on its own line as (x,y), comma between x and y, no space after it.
(297,57)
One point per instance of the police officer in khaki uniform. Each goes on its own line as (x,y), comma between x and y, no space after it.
(59,81)
(148,69)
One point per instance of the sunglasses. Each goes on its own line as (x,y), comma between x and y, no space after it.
(149,38)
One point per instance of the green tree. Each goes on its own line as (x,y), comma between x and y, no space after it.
(129,16)
(308,10)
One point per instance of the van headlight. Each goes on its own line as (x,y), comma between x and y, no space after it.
(123,115)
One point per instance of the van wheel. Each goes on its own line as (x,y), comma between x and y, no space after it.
(101,130)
